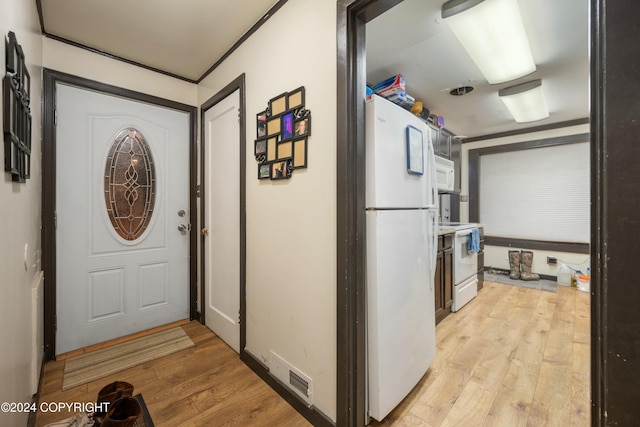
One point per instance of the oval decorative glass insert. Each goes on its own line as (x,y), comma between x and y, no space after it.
(130,184)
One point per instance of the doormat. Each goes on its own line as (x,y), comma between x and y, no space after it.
(542,284)
(144,420)
(101,363)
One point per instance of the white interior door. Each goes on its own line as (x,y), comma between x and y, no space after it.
(122,180)
(222,219)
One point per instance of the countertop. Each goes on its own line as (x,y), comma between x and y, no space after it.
(450,228)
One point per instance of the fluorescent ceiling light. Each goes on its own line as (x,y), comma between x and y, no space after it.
(492,33)
(525,101)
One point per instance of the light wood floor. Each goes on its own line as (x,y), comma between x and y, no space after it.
(205,385)
(511,357)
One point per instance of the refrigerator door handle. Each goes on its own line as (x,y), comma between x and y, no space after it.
(434,177)
(434,246)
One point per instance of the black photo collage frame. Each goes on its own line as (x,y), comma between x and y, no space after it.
(282,131)
(16,90)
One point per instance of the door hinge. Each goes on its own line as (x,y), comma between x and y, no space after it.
(55,117)
(198,190)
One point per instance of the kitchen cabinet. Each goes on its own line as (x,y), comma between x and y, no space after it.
(446,145)
(443,281)
(481,259)
(456,157)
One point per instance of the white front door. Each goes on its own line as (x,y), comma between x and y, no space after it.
(222,219)
(122,191)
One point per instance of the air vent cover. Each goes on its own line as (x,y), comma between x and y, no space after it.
(291,377)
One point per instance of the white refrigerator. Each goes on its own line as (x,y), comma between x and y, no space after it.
(401,246)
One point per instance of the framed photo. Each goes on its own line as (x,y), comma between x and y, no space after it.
(10,107)
(261,124)
(12,55)
(26,83)
(278,105)
(10,153)
(281,169)
(273,126)
(300,153)
(302,127)
(287,126)
(415,151)
(296,98)
(285,150)
(260,147)
(264,171)
(271,149)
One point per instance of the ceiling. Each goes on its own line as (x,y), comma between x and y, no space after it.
(413,40)
(183,38)
(186,38)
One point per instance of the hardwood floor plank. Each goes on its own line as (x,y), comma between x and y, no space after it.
(581,386)
(513,399)
(410,420)
(471,408)
(434,405)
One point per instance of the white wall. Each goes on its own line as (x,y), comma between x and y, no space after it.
(291,225)
(20,227)
(495,256)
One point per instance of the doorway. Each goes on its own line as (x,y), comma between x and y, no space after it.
(223,255)
(114,267)
(351,402)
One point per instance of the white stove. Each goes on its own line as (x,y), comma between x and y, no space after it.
(465,264)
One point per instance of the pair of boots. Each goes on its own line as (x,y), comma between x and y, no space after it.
(123,410)
(520,263)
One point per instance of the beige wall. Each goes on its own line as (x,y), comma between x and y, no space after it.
(291,225)
(20,228)
(83,63)
(498,256)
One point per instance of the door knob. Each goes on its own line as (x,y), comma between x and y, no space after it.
(182,228)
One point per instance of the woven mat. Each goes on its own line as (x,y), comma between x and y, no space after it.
(542,284)
(98,364)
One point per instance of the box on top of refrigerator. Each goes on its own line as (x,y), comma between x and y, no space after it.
(392,86)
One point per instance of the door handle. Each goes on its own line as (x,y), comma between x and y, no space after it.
(182,227)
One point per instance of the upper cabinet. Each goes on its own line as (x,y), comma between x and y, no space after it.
(446,145)
(456,156)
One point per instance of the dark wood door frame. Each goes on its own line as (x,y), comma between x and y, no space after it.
(615,195)
(351,332)
(50,79)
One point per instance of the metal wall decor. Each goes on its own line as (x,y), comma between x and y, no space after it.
(130,184)
(282,130)
(16,89)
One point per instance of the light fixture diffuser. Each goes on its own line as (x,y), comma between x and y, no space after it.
(493,35)
(525,101)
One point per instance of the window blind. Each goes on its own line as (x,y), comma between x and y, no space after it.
(537,194)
